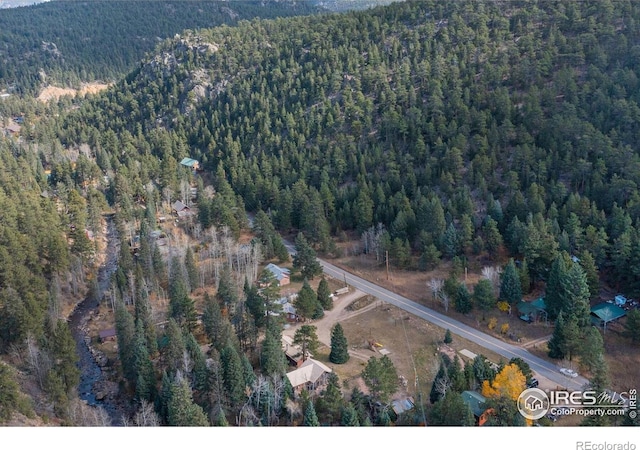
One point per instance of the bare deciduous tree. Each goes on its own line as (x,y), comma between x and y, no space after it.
(492,273)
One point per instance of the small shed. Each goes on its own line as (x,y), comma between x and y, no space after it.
(107,335)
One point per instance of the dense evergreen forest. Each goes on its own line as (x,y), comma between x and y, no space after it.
(434,130)
(459,126)
(70,42)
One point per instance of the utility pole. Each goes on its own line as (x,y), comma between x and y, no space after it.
(386,254)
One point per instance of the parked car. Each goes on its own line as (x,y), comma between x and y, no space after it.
(533,383)
(569,372)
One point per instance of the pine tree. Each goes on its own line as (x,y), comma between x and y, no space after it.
(483,296)
(305,259)
(233,376)
(330,403)
(125,333)
(255,304)
(510,289)
(448,339)
(63,349)
(349,416)
(578,296)
(339,347)
(306,302)
(591,349)
(324,294)
(272,359)
(381,377)
(145,381)
(310,417)
(632,325)
(588,264)
(556,296)
(192,269)
(307,338)
(463,303)
(175,349)
(556,343)
(181,410)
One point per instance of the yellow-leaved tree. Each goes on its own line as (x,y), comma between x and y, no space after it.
(509,382)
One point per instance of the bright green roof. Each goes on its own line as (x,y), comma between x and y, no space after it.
(530,307)
(476,402)
(188,162)
(607,311)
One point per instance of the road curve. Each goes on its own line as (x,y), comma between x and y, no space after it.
(508,351)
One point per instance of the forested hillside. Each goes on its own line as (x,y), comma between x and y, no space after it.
(69,42)
(461,127)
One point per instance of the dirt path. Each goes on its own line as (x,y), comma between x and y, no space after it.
(337,314)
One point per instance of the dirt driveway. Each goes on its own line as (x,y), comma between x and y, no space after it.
(333,316)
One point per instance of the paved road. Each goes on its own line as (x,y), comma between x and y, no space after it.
(508,351)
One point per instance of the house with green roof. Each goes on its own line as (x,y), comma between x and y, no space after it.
(477,402)
(605,312)
(192,164)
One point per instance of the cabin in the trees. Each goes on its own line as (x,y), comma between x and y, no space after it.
(311,376)
(180,209)
(281,274)
(190,163)
(107,335)
(477,403)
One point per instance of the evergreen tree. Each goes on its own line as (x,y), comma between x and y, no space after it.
(463,303)
(448,339)
(324,294)
(232,375)
(306,337)
(483,296)
(349,416)
(556,295)
(381,377)
(510,289)
(591,349)
(440,385)
(9,393)
(305,259)
(181,410)
(176,348)
(588,264)
(339,347)
(125,333)
(255,304)
(145,381)
(63,350)
(632,325)
(272,359)
(330,403)
(181,307)
(451,410)
(578,297)
(306,302)
(192,269)
(310,417)
(556,343)
(143,313)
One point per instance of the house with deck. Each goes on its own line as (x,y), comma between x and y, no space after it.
(311,376)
